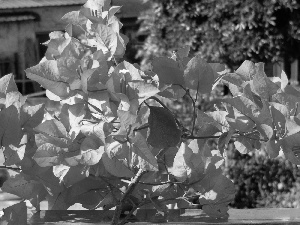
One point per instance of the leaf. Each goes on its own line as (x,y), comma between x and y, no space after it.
(71,116)
(292,126)
(15,214)
(116,167)
(141,90)
(47,74)
(107,37)
(219,192)
(146,159)
(224,140)
(90,153)
(75,18)
(247,70)
(31,116)
(187,165)
(164,131)
(218,67)
(25,187)
(87,191)
(70,175)
(261,116)
(57,43)
(49,155)
(216,211)
(183,51)
(53,128)
(14,155)
(15,98)
(199,75)
(67,68)
(10,127)
(100,106)
(262,85)
(41,139)
(243,145)
(235,79)
(57,201)
(273,147)
(238,121)
(220,118)
(291,146)
(127,119)
(54,189)
(168,71)
(7,84)
(205,119)
(113,10)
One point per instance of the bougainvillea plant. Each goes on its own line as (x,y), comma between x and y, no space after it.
(113,142)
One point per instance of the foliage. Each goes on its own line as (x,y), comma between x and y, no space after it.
(224,31)
(263,182)
(114,143)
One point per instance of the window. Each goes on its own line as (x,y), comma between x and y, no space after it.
(5,67)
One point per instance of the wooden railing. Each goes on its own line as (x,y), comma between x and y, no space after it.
(175,216)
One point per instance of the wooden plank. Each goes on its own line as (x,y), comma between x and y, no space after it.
(294,73)
(178,216)
(277,68)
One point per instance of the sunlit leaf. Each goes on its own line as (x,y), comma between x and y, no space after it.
(15,214)
(26,188)
(146,159)
(168,71)
(116,167)
(199,75)
(187,165)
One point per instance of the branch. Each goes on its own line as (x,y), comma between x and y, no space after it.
(10,168)
(193,102)
(204,137)
(162,183)
(144,126)
(128,192)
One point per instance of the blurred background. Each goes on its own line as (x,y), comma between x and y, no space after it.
(220,31)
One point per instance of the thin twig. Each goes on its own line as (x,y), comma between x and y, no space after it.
(194,106)
(144,126)
(162,183)
(204,137)
(252,138)
(128,192)
(10,168)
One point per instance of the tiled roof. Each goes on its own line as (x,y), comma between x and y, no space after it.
(16,18)
(14,4)
(131,8)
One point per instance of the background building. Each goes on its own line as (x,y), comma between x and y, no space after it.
(25,24)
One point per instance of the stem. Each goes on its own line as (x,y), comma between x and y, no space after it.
(144,126)
(10,168)
(193,102)
(204,137)
(252,138)
(162,183)
(194,106)
(130,189)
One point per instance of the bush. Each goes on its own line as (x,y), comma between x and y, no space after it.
(263,182)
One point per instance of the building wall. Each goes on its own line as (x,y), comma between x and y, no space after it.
(18,48)
(20,41)
(50,18)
